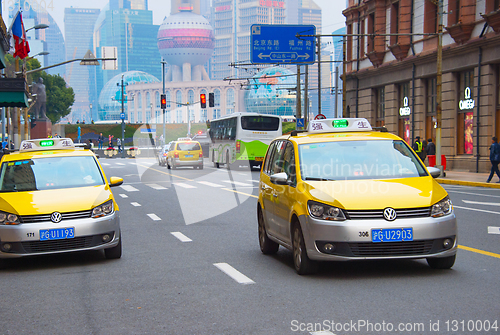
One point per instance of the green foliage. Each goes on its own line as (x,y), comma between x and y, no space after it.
(59,97)
(287,127)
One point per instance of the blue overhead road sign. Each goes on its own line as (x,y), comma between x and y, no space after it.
(271,44)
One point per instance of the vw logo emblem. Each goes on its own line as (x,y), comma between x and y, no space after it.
(56,217)
(390,214)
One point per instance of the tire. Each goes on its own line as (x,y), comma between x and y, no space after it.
(303,265)
(267,246)
(114,252)
(200,167)
(442,263)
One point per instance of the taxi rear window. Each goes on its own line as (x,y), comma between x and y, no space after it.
(188,146)
(345,160)
(49,173)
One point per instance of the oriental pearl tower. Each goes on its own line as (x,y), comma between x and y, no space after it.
(186,41)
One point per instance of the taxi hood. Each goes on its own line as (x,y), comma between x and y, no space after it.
(57,200)
(377,194)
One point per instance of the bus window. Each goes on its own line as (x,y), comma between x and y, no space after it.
(260,123)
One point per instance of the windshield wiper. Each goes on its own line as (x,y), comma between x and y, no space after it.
(319,179)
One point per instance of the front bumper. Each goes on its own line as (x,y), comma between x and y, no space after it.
(179,162)
(24,239)
(352,239)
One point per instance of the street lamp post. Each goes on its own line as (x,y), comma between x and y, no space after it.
(163,92)
(123,120)
(91,118)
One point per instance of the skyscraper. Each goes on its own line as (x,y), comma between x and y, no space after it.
(79,28)
(128,26)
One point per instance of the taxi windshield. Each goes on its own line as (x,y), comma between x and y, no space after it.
(49,173)
(188,146)
(347,160)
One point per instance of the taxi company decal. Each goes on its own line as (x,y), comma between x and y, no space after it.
(405,111)
(468,103)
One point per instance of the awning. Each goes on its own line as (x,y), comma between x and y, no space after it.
(13,99)
(13,92)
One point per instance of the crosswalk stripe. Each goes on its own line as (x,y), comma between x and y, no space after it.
(135,204)
(236,183)
(154,217)
(209,184)
(184,185)
(105,164)
(120,164)
(156,186)
(493,230)
(233,273)
(181,236)
(129,188)
(123,195)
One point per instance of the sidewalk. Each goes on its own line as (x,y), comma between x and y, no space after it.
(468,179)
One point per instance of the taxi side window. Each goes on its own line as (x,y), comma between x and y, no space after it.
(289,163)
(272,156)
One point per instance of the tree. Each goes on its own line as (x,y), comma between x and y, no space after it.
(59,97)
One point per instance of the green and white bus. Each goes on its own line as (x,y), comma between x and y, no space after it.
(242,138)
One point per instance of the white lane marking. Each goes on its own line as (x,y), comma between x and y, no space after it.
(233,273)
(209,184)
(484,195)
(184,185)
(136,204)
(236,183)
(156,186)
(476,209)
(120,164)
(181,236)
(123,195)
(129,188)
(130,175)
(493,230)
(322,332)
(481,203)
(154,217)
(105,164)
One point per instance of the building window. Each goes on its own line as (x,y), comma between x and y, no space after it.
(178,98)
(371,30)
(217,97)
(191,97)
(380,106)
(168,98)
(349,42)
(394,23)
(466,113)
(454,9)
(492,5)
(157,99)
(361,39)
(230,103)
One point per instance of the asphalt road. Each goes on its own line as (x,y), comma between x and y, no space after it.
(191,264)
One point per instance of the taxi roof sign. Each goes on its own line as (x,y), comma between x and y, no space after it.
(47,144)
(339,125)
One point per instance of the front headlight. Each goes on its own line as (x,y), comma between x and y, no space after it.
(8,219)
(106,208)
(444,207)
(325,212)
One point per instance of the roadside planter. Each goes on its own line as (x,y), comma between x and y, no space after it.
(110,152)
(133,151)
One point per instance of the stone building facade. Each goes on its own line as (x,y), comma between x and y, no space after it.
(391,79)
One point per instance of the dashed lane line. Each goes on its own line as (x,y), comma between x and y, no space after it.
(154,217)
(123,195)
(233,273)
(471,193)
(236,183)
(482,203)
(129,188)
(184,185)
(476,209)
(181,237)
(135,204)
(207,183)
(156,187)
(248,194)
(493,230)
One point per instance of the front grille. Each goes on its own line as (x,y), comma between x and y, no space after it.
(409,248)
(379,213)
(82,242)
(46,217)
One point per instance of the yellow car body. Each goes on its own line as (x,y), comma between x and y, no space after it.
(185,153)
(325,195)
(55,197)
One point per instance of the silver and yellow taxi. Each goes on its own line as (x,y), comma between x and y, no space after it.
(343,191)
(55,198)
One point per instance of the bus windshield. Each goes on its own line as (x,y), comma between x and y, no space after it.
(263,123)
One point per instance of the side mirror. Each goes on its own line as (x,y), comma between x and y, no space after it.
(435,172)
(115,181)
(279,178)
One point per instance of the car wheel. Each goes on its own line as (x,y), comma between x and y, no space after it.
(200,167)
(303,265)
(267,246)
(114,252)
(441,263)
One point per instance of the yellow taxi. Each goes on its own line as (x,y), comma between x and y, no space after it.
(55,198)
(343,191)
(185,152)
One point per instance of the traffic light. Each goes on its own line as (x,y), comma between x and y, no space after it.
(211,100)
(203,100)
(163,101)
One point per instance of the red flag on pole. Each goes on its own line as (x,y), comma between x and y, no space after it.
(21,46)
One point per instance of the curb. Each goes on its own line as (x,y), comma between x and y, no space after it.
(467,183)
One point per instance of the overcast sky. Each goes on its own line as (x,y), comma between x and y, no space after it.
(331,9)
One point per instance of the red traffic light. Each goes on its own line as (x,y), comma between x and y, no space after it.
(163,101)
(203,100)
